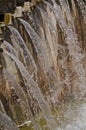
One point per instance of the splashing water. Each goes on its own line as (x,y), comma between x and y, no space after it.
(72,41)
(49,71)
(35,91)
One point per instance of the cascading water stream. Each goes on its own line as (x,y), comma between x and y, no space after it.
(17,88)
(34,89)
(8,46)
(18,41)
(66,10)
(2,107)
(43,72)
(51,38)
(82,6)
(72,42)
(37,41)
(42,53)
(48,24)
(23,98)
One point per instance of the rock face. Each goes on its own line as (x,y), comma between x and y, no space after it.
(44,61)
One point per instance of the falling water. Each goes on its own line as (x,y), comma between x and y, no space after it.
(34,89)
(72,41)
(40,49)
(82,5)
(45,67)
(22,100)
(2,107)
(42,54)
(18,41)
(51,38)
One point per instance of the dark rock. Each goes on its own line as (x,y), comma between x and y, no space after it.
(1,50)
(20,2)
(7,6)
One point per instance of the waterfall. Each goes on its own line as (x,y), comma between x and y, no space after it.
(43,65)
(42,54)
(34,89)
(19,42)
(72,41)
(40,49)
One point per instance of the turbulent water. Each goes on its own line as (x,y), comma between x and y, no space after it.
(71,116)
(44,68)
(77,119)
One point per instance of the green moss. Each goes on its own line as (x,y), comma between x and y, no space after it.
(42,122)
(30,127)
